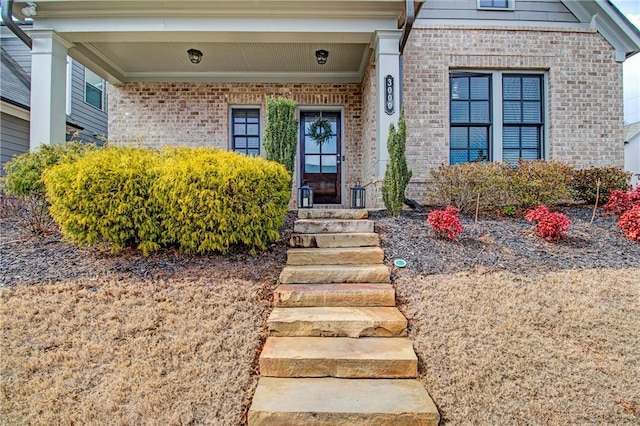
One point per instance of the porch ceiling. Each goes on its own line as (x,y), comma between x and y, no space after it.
(241,40)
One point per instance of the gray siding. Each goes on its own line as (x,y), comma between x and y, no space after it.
(525,10)
(14,138)
(93,120)
(18,51)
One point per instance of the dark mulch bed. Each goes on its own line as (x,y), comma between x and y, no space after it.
(37,259)
(506,243)
(494,243)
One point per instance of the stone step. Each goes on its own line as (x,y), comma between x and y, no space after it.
(327,274)
(317,226)
(307,295)
(335,256)
(332,214)
(335,240)
(331,401)
(368,357)
(337,322)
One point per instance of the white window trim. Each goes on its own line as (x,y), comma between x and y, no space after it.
(230,120)
(84,92)
(495,148)
(511,6)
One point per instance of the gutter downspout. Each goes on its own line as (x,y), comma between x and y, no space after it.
(409,17)
(7,18)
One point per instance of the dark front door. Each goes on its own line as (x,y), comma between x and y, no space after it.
(321,163)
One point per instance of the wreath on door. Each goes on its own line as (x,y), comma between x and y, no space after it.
(320,130)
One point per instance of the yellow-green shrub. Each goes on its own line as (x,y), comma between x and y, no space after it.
(214,199)
(104,198)
(24,172)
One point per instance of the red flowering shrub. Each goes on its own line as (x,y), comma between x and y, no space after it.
(629,222)
(620,201)
(548,225)
(445,223)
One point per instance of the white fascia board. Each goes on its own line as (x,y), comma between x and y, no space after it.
(216,24)
(246,77)
(608,22)
(15,111)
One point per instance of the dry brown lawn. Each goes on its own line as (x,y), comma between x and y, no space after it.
(494,348)
(130,353)
(502,348)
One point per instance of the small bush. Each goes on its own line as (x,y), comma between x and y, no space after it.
(585,183)
(620,201)
(548,225)
(460,184)
(24,173)
(213,199)
(445,223)
(535,183)
(105,197)
(629,222)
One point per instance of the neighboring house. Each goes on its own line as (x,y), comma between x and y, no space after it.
(489,79)
(632,152)
(85,103)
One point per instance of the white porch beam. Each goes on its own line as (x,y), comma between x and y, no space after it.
(48,88)
(387,51)
(200,26)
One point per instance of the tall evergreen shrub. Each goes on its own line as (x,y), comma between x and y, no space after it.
(281,131)
(397,174)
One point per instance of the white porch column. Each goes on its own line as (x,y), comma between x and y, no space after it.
(387,47)
(48,88)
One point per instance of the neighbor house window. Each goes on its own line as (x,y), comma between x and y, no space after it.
(470,117)
(496,116)
(245,130)
(496,4)
(93,89)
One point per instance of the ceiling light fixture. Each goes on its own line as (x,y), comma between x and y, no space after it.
(195,56)
(321,56)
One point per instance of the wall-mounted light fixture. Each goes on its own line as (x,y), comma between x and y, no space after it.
(321,56)
(30,9)
(195,56)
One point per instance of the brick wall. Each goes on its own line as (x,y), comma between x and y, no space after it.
(584,97)
(197,114)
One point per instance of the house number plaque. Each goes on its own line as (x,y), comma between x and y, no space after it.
(388,95)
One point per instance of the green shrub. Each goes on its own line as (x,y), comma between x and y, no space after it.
(214,199)
(534,183)
(460,184)
(281,131)
(499,186)
(104,198)
(397,174)
(24,173)
(585,183)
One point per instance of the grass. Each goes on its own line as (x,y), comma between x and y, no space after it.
(503,348)
(123,353)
